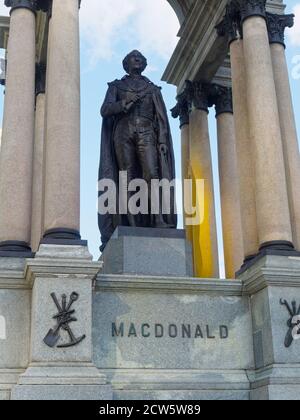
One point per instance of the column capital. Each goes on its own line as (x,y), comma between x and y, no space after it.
(249,8)
(40,79)
(21,4)
(46,6)
(201,92)
(276,27)
(231,25)
(221,97)
(183,107)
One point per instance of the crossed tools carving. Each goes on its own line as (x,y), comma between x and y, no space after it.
(63,318)
(293,323)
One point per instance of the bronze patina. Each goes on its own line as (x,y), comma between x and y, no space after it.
(136,139)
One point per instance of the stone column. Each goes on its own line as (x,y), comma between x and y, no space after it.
(276,26)
(244,151)
(273,217)
(229,183)
(62,175)
(18,132)
(38,159)
(205,241)
(231,28)
(182,110)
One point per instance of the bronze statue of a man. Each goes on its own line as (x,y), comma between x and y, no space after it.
(136,139)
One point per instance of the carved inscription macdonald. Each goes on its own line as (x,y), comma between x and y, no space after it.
(172,330)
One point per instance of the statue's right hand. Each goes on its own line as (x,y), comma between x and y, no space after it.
(132,97)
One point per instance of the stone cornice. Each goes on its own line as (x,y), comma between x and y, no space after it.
(272,271)
(276,27)
(54,268)
(169,285)
(221,97)
(199,52)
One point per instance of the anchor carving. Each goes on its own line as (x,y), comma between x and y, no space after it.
(64,318)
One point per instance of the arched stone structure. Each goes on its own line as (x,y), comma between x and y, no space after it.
(181,8)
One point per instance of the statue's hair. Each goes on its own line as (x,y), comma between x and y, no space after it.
(126,61)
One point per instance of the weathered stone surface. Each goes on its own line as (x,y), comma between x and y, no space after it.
(151,331)
(14,328)
(276,393)
(271,282)
(43,310)
(173,395)
(158,384)
(58,370)
(144,251)
(8,378)
(62,392)
(279,319)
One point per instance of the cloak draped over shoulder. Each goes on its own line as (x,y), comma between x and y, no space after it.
(108,168)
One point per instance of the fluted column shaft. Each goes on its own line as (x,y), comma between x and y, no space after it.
(18,133)
(62,177)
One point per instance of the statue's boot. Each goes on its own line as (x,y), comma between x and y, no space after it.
(131,220)
(160,223)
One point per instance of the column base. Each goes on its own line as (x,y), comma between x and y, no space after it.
(15,249)
(63,236)
(65,382)
(279,248)
(276,383)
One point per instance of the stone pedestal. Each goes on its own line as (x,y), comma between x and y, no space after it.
(61,345)
(273,286)
(146,251)
(164,338)
(14,323)
(148,337)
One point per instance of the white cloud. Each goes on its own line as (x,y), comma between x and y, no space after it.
(150,25)
(4,11)
(294,33)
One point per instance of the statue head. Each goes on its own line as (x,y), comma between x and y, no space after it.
(134,62)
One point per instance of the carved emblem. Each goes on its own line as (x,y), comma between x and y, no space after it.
(64,318)
(293,323)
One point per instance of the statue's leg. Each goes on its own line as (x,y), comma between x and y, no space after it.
(125,151)
(149,161)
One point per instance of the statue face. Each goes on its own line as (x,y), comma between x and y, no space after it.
(136,62)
